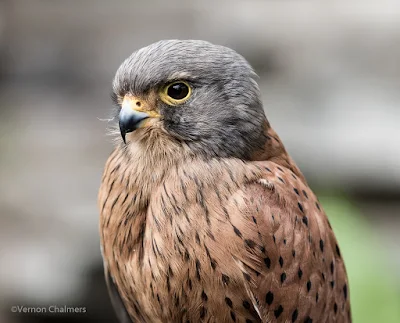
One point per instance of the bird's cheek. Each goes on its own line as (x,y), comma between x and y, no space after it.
(151,122)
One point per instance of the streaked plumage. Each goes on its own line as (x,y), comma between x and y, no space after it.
(204,216)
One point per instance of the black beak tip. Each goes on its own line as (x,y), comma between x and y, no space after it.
(123,138)
(123,132)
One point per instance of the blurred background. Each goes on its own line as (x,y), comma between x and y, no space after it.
(330,79)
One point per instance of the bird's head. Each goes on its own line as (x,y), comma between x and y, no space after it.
(199,94)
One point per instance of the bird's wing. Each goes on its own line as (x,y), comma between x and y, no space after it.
(116,300)
(291,264)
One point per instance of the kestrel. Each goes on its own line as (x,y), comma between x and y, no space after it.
(203,214)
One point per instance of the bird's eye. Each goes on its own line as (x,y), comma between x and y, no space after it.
(176,93)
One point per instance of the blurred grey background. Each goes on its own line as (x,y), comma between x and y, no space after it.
(330,79)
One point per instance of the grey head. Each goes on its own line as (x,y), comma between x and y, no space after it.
(222,117)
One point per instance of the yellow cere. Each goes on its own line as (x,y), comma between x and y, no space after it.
(131,102)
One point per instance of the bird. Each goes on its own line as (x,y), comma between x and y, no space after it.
(204,216)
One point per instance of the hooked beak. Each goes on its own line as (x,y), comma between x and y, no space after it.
(133,114)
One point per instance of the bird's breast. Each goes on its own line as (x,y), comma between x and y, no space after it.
(171,254)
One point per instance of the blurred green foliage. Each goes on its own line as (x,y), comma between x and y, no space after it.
(374,295)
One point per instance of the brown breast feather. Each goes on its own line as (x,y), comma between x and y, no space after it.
(220,240)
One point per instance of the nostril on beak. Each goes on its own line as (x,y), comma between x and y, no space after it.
(138,104)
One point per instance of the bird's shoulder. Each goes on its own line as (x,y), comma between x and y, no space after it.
(288,248)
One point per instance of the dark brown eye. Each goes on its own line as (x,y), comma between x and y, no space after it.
(175,93)
(178,91)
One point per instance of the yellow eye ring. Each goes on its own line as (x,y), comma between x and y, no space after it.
(176,93)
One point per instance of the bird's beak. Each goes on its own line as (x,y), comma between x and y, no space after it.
(134,114)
